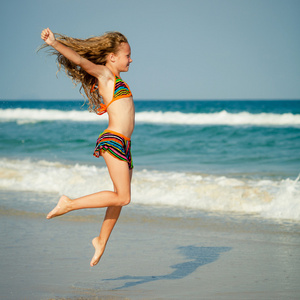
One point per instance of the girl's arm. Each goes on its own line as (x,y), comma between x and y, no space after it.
(91,68)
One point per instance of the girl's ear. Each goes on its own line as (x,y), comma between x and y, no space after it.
(111,57)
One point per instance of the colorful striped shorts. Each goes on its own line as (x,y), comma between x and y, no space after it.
(116,144)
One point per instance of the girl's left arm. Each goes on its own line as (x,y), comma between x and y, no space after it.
(91,68)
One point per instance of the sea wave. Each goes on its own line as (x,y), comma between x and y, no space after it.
(25,115)
(21,116)
(266,198)
(220,118)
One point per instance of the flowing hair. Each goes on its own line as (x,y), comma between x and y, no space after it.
(95,49)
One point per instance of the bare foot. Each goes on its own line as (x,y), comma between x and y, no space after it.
(99,249)
(61,208)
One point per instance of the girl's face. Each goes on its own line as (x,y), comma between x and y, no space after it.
(122,58)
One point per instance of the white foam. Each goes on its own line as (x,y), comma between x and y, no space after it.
(220,118)
(44,176)
(21,116)
(267,198)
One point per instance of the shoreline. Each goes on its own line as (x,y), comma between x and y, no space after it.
(149,257)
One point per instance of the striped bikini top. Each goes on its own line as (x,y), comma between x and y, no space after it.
(121,90)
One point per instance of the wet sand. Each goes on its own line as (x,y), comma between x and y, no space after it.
(148,257)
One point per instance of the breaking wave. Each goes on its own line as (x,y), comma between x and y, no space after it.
(276,199)
(21,116)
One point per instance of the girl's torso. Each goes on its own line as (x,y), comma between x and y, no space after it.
(119,105)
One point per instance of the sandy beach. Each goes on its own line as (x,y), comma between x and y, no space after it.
(149,256)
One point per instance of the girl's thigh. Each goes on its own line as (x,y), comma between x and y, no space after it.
(119,172)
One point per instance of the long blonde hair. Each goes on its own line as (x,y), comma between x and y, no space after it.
(95,49)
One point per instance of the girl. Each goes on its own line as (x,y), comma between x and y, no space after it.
(96,63)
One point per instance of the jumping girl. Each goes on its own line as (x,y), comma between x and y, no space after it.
(96,63)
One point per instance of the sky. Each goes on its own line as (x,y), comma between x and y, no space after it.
(181,49)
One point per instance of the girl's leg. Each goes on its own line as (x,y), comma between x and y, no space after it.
(99,242)
(121,178)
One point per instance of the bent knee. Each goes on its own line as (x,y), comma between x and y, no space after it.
(125,200)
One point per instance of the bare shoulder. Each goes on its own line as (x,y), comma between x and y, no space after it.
(106,76)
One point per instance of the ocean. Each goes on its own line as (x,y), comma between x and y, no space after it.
(191,158)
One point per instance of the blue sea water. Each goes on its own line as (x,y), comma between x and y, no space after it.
(226,156)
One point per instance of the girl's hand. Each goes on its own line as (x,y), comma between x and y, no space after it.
(48,36)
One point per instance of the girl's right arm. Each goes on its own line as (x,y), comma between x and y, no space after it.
(91,68)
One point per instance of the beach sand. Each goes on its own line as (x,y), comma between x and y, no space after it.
(148,257)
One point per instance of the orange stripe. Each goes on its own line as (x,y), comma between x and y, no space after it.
(117,133)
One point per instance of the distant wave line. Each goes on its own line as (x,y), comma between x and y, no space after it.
(22,115)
